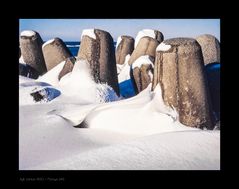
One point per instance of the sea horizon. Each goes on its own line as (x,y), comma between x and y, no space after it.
(74,46)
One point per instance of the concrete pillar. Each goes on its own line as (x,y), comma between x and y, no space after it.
(210,48)
(97,48)
(125,47)
(179,69)
(69,64)
(31,50)
(55,51)
(146,46)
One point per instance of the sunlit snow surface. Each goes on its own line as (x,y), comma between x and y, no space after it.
(163,47)
(135,133)
(28,33)
(88,32)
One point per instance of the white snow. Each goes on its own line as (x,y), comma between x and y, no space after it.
(136,115)
(143,33)
(118,41)
(25,98)
(136,133)
(23,79)
(27,33)
(191,150)
(124,70)
(21,60)
(80,85)
(48,42)
(77,85)
(88,32)
(142,60)
(163,47)
(51,76)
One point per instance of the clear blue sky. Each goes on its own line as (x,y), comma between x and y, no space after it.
(70,29)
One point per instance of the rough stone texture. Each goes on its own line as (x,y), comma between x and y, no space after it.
(210,48)
(31,50)
(213,77)
(180,72)
(100,53)
(55,52)
(146,46)
(28,71)
(67,67)
(159,36)
(142,77)
(125,47)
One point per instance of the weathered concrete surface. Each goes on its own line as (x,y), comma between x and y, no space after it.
(210,48)
(159,36)
(180,72)
(100,54)
(68,66)
(125,47)
(146,46)
(31,50)
(28,71)
(55,52)
(142,76)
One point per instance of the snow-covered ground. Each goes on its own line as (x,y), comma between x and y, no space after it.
(87,126)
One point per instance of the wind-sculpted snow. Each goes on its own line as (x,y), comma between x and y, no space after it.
(81,124)
(188,150)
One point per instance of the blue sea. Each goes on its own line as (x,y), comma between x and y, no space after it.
(74,46)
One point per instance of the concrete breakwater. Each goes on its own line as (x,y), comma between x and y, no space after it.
(178,65)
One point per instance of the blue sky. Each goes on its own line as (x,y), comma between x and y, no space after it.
(71,29)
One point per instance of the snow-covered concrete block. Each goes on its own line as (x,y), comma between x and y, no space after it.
(99,51)
(179,69)
(146,46)
(55,51)
(124,47)
(31,50)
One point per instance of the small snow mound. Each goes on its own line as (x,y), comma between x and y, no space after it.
(80,86)
(51,76)
(28,33)
(118,41)
(88,32)
(142,60)
(143,33)
(163,47)
(48,42)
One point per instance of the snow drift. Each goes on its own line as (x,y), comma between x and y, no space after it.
(135,133)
